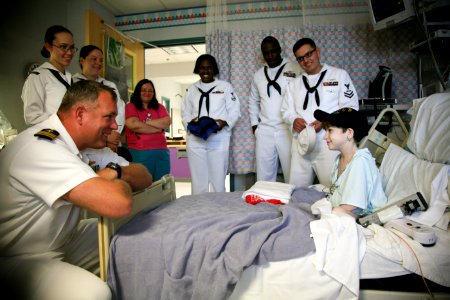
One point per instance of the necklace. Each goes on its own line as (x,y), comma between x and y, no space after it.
(342,165)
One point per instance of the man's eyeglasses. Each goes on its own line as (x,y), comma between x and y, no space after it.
(65,48)
(307,55)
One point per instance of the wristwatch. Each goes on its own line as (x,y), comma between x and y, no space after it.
(115,167)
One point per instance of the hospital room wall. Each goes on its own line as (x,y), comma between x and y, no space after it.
(22,29)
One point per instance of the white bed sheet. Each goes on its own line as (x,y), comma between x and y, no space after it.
(386,256)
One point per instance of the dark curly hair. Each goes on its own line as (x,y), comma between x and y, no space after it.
(136,96)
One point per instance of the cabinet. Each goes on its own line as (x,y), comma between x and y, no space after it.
(179,166)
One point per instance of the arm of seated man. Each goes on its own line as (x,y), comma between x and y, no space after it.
(110,198)
(136,175)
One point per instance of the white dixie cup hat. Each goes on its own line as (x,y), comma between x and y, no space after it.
(306,140)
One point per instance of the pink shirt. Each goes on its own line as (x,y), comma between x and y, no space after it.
(145,141)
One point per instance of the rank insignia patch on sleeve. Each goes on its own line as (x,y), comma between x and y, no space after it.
(49,134)
(348,93)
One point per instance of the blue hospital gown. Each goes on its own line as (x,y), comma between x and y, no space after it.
(360,184)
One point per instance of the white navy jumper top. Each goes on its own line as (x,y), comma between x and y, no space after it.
(223,102)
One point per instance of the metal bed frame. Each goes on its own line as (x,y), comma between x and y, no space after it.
(159,192)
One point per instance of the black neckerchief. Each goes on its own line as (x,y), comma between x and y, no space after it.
(56,74)
(274,81)
(206,96)
(102,82)
(313,89)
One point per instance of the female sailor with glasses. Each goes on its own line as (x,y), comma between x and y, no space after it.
(321,87)
(46,85)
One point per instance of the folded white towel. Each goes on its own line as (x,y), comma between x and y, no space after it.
(271,190)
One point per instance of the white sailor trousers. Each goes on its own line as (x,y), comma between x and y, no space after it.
(273,144)
(208,161)
(53,275)
(319,162)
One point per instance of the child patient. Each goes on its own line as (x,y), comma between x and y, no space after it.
(356,182)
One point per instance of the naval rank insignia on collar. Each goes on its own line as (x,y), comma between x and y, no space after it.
(49,134)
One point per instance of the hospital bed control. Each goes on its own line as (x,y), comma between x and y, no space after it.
(420,233)
(397,210)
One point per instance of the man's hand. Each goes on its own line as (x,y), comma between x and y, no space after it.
(317,125)
(107,173)
(221,123)
(299,124)
(136,175)
(113,141)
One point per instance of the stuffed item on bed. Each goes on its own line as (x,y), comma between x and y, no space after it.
(267,191)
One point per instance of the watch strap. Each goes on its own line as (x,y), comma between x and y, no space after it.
(115,167)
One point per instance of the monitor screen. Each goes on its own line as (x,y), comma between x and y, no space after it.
(386,13)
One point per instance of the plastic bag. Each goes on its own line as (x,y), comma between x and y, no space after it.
(5,128)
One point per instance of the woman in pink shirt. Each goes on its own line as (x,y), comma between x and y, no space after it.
(145,123)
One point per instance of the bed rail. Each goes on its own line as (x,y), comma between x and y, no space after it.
(377,142)
(159,192)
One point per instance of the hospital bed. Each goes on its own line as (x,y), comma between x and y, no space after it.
(165,251)
(159,192)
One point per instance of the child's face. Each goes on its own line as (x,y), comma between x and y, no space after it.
(335,137)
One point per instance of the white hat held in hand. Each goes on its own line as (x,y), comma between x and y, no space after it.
(306,140)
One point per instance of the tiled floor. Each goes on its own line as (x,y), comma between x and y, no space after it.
(184,187)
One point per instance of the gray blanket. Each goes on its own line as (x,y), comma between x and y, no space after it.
(196,247)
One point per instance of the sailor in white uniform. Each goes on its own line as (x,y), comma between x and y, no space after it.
(208,159)
(46,85)
(273,136)
(324,87)
(46,251)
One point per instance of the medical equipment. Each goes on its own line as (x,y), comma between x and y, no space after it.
(380,87)
(399,209)
(421,233)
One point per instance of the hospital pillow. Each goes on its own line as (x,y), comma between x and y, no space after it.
(429,138)
(404,174)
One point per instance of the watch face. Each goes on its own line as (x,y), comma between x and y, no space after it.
(115,167)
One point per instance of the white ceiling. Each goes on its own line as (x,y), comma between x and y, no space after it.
(174,54)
